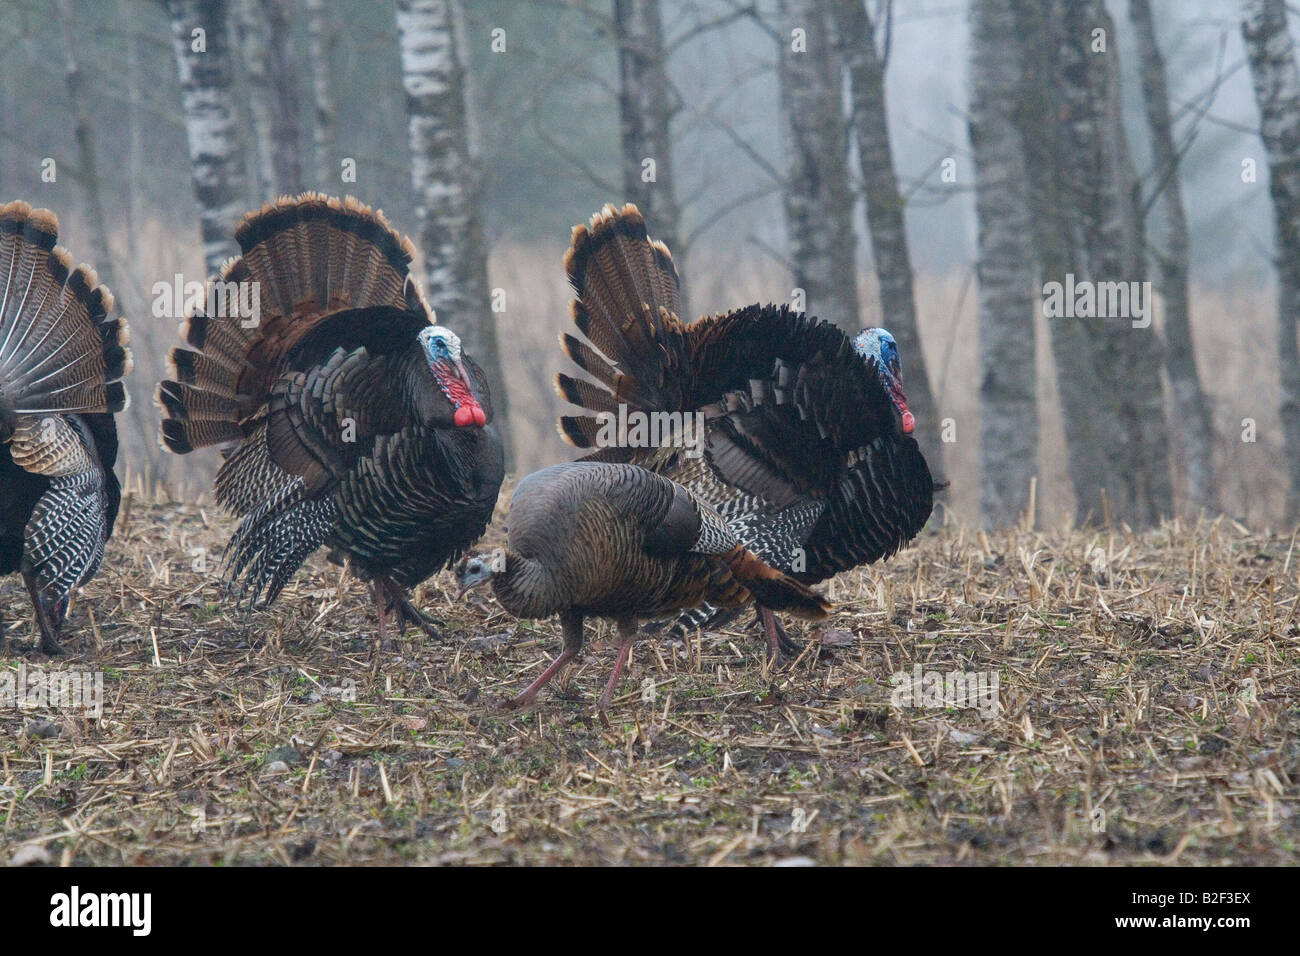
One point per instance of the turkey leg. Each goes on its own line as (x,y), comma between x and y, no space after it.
(390,596)
(572,624)
(779,643)
(381,608)
(626,631)
(45,619)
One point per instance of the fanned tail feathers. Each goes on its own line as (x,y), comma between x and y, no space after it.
(628,305)
(59,350)
(308,258)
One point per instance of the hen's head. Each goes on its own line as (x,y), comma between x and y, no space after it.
(475,569)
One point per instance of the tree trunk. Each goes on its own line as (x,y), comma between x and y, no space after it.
(1084,203)
(645,117)
(818,200)
(216,154)
(1191,409)
(442,173)
(267,56)
(135,146)
(885,225)
(1115,245)
(1008,269)
(1271,52)
(85,137)
(320,34)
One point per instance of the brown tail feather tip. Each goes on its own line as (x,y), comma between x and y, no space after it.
(182,437)
(37,226)
(590,361)
(586,237)
(773,589)
(348,213)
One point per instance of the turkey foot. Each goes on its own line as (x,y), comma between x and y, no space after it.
(779,643)
(391,598)
(408,613)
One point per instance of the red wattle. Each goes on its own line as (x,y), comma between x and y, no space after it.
(455,386)
(908,423)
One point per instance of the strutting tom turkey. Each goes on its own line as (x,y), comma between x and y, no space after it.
(807,449)
(347,417)
(61,359)
(588,539)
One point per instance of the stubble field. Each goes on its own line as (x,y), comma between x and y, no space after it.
(1145,713)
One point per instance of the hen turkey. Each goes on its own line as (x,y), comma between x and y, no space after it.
(602,540)
(347,418)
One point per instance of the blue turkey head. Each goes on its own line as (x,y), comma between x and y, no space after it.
(442,351)
(879,345)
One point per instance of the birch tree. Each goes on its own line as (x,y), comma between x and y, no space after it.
(885,225)
(1276,80)
(320,39)
(1191,420)
(1140,474)
(269,68)
(645,115)
(1008,268)
(199,42)
(443,177)
(818,199)
(86,153)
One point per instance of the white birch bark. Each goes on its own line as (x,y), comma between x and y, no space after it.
(320,35)
(445,184)
(645,115)
(885,224)
(818,199)
(267,62)
(216,153)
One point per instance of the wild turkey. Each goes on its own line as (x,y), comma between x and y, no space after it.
(602,540)
(347,418)
(61,358)
(807,449)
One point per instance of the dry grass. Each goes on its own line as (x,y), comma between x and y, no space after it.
(1152,676)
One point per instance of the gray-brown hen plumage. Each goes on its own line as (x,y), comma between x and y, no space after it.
(589,539)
